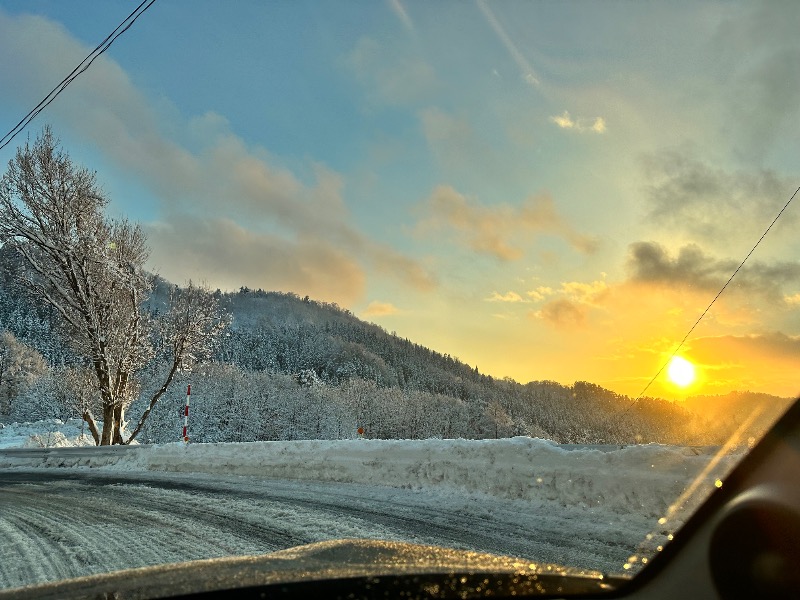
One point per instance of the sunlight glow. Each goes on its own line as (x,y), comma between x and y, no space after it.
(680,371)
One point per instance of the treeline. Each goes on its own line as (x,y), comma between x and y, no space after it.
(233,404)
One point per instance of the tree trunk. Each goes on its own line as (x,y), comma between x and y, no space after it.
(118,416)
(108,425)
(87,416)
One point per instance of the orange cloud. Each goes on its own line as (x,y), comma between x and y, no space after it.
(501,231)
(380,309)
(574,301)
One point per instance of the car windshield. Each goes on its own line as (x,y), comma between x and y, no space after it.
(515,278)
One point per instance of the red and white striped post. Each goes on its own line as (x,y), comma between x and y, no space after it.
(186,415)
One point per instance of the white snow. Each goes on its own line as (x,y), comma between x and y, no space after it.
(50,433)
(607,497)
(644,479)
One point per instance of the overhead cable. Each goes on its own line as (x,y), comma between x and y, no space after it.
(82,66)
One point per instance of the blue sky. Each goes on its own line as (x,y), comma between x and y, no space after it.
(549,190)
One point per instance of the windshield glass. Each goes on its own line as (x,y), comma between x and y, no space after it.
(449,273)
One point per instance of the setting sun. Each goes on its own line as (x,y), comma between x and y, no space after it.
(680,371)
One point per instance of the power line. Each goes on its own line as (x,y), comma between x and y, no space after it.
(82,66)
(700,318)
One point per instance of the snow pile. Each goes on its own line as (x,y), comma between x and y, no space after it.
(641,479)
(635,479)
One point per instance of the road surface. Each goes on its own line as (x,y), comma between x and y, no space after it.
(63,523)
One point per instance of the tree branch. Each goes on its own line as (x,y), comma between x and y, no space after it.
(87,416)
(154,400)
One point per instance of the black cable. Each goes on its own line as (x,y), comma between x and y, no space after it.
(67,78)
(700,318)
(82,66)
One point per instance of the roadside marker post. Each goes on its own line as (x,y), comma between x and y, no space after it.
(186,414)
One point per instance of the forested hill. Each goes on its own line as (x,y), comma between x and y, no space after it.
(282,332)
(291,368)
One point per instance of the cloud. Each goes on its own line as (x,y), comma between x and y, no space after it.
(650,262)
(439,126)
(507,297)
(689,194)
(500,231)
(760,87)
(390,78)
(692,268)
(235,193)
(775,343)
(599,125)
(454,144)
(590,294)
(380,309)
(793,299)
(526,70)
(227,255)
(573,302)
(540,293)
(400,11)
(390,264)
(461,152)
(668,291)
(502,317)
(580,125)
(562,313)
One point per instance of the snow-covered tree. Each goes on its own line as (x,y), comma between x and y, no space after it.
(91,270)
(62,393)
(187,334)
(20,366)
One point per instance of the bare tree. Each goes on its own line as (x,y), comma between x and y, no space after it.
(89,268)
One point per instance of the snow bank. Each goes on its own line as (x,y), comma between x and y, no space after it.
(635,479)
(641,479)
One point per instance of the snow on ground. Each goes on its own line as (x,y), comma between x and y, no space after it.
(592,507)
(50,433)
(643,479)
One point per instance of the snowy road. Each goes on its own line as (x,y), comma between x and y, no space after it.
(69,511)
(64,523)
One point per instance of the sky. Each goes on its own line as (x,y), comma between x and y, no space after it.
(545,190)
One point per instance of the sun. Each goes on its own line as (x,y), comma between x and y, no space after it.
(680,371)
